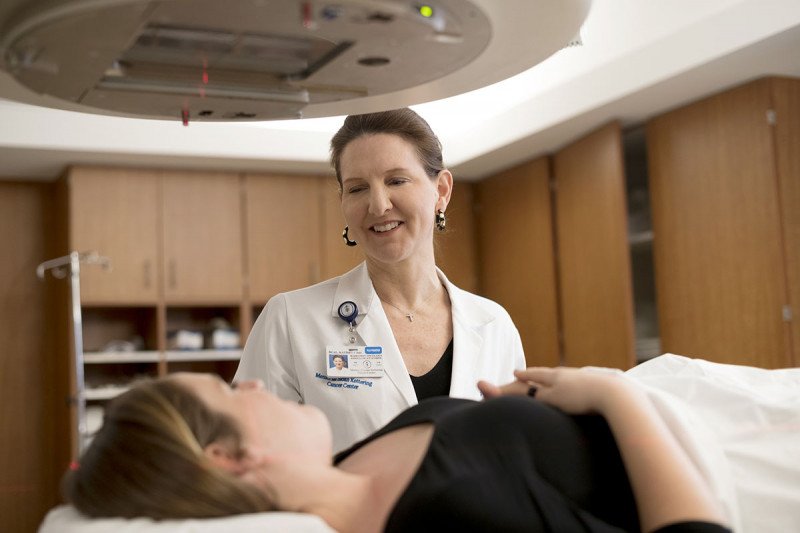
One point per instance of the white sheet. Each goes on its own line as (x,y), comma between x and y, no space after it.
(741,427)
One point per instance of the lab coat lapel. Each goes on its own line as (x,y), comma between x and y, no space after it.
(469,322)
(373,327)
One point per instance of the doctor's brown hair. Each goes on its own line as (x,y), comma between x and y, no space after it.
(148,460)
(404,123)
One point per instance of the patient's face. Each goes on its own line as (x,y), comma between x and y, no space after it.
(280,428)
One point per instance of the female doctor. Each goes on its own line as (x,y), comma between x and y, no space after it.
(406,331)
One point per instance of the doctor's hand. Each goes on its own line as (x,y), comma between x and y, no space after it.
(573,390)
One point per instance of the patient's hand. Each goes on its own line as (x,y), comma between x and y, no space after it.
(573,390)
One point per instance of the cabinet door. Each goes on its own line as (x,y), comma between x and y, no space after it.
(283,233)
(786,103)
(720,278)
(202,238)
(515,237)
(456,249)
(116,213)
(336,257)
(594,269)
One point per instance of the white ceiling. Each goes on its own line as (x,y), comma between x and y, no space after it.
(639,58)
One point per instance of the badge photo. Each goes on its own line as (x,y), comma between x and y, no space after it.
(354,361)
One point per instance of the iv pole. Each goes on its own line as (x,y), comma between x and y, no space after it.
(59,268)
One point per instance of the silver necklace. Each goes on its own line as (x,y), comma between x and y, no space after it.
(410,314)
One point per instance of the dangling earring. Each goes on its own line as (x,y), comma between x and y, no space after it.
(441,221)
(346,237)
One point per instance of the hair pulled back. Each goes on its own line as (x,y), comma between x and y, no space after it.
(148,460)
(404,123)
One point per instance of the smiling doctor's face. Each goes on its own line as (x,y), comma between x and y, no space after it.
(388,201)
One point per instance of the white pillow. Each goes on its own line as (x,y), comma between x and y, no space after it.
(66,519)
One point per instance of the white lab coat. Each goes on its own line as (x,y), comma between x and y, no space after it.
(287,350)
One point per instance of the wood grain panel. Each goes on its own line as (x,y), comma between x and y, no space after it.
(202,238)
(593,254)
(28,448)
(515,241)
(718,261)
(283,216)
(336,257)
(456,248)
(786,103)
(116,213)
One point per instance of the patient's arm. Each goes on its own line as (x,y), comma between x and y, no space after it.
(666,485)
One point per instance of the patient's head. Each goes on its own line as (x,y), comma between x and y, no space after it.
(154,456)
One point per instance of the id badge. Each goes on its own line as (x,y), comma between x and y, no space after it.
(354,361)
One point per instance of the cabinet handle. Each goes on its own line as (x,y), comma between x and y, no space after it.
(173,278)
(313,272)
(146,269)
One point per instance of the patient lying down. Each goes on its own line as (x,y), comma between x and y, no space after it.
(586,453)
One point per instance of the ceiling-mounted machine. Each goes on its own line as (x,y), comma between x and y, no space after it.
(229,60)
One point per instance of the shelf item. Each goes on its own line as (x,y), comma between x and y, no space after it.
(106,328)
(204,327)
(184,339)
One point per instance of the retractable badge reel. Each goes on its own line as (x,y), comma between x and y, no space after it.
(348,312)
(353,360)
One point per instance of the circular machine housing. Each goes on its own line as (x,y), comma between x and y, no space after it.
(206,60)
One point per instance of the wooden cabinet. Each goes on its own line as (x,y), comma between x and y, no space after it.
(336,258)
(517,262)
(724,176)
(202,238)
(175,242)
(176,234)
(34,447)
(786,104)
(594,270)
(456,249)
(284,233)
(554,252)
(117,213)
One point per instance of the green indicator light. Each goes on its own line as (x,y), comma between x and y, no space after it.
(426,11)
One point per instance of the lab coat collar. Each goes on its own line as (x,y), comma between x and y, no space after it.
(373,329)
(469,323)
(355,286)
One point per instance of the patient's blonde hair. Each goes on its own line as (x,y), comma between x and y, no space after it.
(148,460)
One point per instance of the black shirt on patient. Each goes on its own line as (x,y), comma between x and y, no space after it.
(514,464)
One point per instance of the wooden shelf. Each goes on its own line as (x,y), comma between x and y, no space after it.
(121,357)
(203,355)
